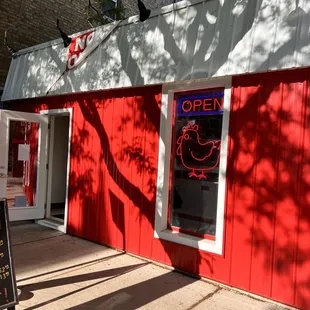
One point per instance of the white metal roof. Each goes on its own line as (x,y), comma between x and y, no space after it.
(189,39)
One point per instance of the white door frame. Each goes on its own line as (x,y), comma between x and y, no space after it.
(46,222)
(37,211)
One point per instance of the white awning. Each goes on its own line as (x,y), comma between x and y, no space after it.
(186,40)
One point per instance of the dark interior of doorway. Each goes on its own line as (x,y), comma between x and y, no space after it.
(58,210)
(58,169)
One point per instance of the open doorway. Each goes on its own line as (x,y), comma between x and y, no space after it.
(57,170)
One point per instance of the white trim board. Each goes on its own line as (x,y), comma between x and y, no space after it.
(60,112)
(164,150)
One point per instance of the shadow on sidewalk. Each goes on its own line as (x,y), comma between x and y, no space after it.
(87,263)
(129,298)
(140,294)
(111,273)
(81,278)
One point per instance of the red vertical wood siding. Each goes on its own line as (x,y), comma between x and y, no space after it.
(30,178)
(113,182)
(16,138)
(268,191)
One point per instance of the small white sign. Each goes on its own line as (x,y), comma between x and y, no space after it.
(20,201)
(23,152)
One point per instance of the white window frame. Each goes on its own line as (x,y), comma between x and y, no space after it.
(162,194)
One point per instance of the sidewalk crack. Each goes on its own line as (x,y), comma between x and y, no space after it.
(204,298)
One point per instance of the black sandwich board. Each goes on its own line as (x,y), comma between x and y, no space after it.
(8,289)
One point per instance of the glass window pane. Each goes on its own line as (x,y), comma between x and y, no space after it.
(109,8)
(22,164)
(196,156)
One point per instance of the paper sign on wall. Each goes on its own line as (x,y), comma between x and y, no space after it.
(20,201)
(23,152)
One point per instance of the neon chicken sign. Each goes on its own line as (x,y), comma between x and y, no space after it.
(196,155)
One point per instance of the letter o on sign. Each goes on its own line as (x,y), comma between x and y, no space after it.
(71,61)
(186,106)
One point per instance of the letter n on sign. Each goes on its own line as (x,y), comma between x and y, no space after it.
(78,49)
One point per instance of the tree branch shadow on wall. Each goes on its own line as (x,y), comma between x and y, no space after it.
(266,174)
(250,147)
(249,144)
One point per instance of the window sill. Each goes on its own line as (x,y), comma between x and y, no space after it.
(190,233)
(191,241)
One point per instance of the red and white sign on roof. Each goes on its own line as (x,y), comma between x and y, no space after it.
(84,44)
(79,47)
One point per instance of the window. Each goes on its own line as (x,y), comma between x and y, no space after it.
(192,163)
(109,9)
(196,147)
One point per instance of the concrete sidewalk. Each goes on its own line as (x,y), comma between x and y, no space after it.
(57,271)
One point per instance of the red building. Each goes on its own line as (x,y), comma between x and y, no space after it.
(190,149)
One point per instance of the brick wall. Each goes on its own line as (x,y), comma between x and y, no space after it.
(34,22)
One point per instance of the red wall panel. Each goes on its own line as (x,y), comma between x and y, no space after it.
(30,183)
(113,181)
(17,135)
(269,190)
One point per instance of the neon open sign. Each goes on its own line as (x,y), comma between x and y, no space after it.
(201,104)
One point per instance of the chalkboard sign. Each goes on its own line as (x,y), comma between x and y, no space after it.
(8,290)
